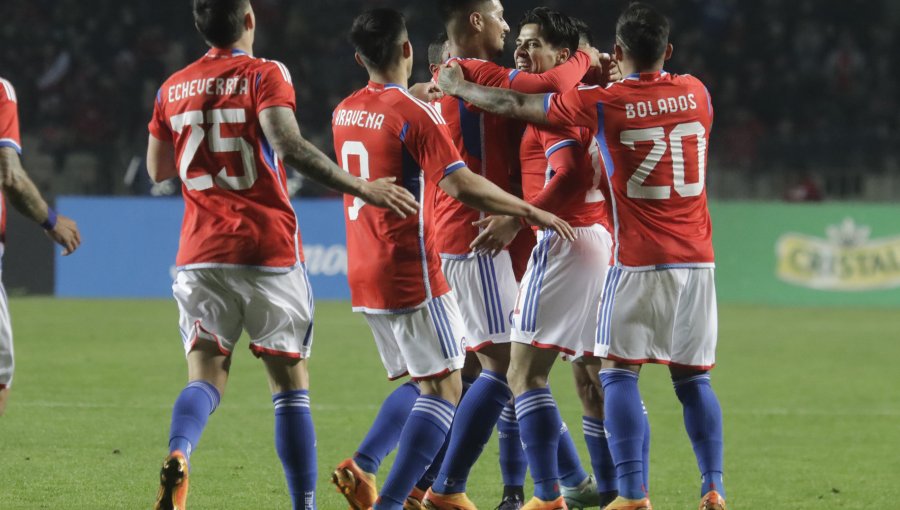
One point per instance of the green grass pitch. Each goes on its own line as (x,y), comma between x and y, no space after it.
(811,401)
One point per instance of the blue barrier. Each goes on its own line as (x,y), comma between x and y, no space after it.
(130,244)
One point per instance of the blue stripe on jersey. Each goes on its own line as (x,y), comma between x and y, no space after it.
(547,99)
(513,74)
(560,145)
(6,142)
(258,80)
(268,154)
(601,139)
(486,294)
(411,171)
(403,131)
(470,125)
(454,167)
(438,327)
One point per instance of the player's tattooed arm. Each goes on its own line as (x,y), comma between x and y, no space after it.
(25,198)
(508,103)
(281,129)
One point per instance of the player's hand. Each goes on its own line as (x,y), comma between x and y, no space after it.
(610,71)
(65,234)
(592,52)
(450,77)
(428,91)
(497,233)
(384,193)
(545,220)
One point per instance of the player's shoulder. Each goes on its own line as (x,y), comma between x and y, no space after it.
(409,107)
(7,91)
(276,68)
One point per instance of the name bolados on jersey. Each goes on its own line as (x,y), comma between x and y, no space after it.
(237,207)
(382,131)
(653,132)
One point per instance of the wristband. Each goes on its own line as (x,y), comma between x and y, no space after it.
(50,224)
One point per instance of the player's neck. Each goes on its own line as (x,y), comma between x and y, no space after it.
(391,76)
(243,45)
(629,67)
(468,47)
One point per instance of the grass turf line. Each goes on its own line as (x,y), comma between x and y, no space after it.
(811,401)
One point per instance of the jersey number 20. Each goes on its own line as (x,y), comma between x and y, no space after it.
(636,187)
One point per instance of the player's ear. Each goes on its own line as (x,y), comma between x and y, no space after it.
(476,21)
(619,53)
(407,49)
(669,50)
(249,20)
(359,60)
(563,55)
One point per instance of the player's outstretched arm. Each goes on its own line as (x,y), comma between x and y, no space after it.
(281,129)
(508,103)
(25,198)
(480,193)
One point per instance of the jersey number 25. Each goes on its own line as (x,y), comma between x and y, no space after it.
(195,119)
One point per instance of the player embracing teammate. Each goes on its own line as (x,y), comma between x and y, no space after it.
(658,302)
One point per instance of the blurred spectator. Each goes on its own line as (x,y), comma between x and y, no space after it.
(805,84)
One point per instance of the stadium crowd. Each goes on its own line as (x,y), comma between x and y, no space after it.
(805,92)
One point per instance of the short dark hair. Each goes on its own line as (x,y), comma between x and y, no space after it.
(221,22)
(375,34)
(556,28)
(584,30)
(436,49)
(643,32)
(451,8)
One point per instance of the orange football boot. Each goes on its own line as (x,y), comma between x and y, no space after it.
(539,504)
(712,501)
(414,500)
(173,483)
(355,484)
(457,501)
(621,503)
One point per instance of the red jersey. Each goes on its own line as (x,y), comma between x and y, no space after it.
(237,208)
(9,137)
(653,133)
(489,144)
(559,175)
(383,131)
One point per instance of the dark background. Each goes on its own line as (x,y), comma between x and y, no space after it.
(806,91)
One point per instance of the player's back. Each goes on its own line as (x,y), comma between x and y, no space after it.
(382,131)
(653,131)
(237,207)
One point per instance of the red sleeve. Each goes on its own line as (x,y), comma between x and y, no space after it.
(428,140)
(158,126)
(568,159)
(9,117)
(274,87)
(562,77)
(577,107)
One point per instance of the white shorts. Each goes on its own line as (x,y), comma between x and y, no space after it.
(7,362)
(558,299)
(276,309)
(665,316)
(485,288)
(427,342)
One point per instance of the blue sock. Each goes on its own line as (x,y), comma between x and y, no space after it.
(422,437)
(295,442)
(571,474)
(625,426)
(431,473)
(512,458)
(539,425)
(598,449)
(645,449)
(189,415)
(478,413)
(703,422)
(385,430)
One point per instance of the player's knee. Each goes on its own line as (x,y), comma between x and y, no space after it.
(522,380)
(682,373)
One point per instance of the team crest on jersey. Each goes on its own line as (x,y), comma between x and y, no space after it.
(847,260)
